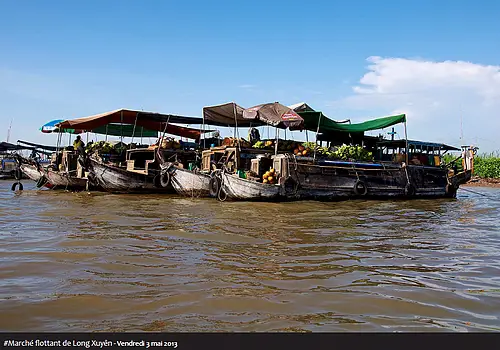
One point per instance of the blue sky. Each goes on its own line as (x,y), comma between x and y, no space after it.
(434,60)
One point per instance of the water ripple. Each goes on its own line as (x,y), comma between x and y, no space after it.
(102,262)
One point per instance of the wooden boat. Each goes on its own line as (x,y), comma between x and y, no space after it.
(235,187)
(113,178)
(65,180)
(31,171)
(190,183)
(67,170)
(334,181)
(302,177)
(137,169)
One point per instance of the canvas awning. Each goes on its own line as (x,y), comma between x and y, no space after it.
(227,114)
(124,130)
(327,125)
(275,114)
(301,107)
(6,146)
(147,120)
(36,145)
(231,114)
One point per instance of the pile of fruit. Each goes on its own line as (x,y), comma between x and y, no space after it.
(347,152)
(344,152)
(233,142)
(302,151)
(170,143)
(104,147)
(264,144)
(269,177)
(283,145)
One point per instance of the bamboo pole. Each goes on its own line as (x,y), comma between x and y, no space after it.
(406,142)
(277,138)
(317,132)
(121,126)
(237,134)
(203,126)
(135,123)
(161,139)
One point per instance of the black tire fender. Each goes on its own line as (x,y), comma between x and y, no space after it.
(214,186)
(18,174)
(409,189)
(41,181)
(81,160)
(14,186)
(360,188)
(451,190)
(164,179)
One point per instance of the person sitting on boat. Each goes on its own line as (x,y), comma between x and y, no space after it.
(253,135)
(79,145)
(415,160)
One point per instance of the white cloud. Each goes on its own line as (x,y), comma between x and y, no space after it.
(247,86)
(434,95)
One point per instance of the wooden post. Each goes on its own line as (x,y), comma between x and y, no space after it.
(203,126)
(161,139)
(406,142)
(277,138)
(237,134)
(317,131)
(135,123)
(121,126)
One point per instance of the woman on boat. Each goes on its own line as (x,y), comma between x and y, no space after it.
(79,145)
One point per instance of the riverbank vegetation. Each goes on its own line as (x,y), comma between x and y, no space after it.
(486,165)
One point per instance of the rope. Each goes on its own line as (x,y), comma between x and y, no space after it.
(349,167)
(481,194)
(220,188)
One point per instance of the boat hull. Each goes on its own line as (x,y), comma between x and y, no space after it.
(235,187)
(62,180)
(332,182)
(31,172)
(114,179)
(188,183)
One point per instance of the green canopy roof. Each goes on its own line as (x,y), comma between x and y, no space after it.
(327,125)
(124,130)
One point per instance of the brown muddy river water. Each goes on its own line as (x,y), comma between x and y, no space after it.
(104,262)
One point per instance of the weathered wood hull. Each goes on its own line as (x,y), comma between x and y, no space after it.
(114,179)
(62,180)
(188,183)
(334,183)
(331,181)
(237,188)
(31,172)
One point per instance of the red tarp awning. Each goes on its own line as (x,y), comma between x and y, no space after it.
(151,121)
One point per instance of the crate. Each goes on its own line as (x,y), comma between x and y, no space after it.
(130,164)
(437,161)
(280,165)
(255,166)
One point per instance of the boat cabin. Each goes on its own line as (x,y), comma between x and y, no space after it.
(419,152)
(142,160)
(67,161)
(233,158)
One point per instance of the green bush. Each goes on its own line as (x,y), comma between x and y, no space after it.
(487,166)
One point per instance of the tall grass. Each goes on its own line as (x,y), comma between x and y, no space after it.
(486,165)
